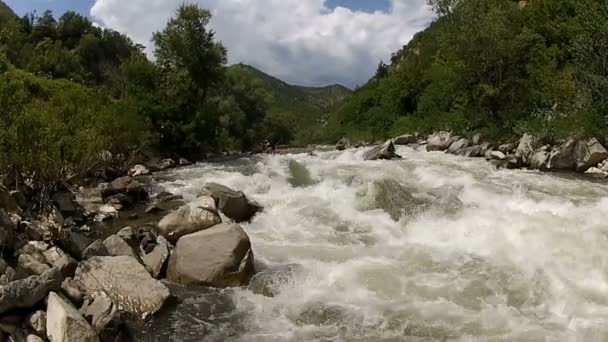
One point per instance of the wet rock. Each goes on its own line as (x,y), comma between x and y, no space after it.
(37,322)
(343,144)
(28,292)
(476,140)
(166,164)
(506,148)
(66,203)
(513,162)
(539,160)
(104,318)
(268,282)
(589,153)
(458,145)
(563,157)
(119,201)
(139,170)
(71,291)
(597,172)
(234,204)
(526,148)
(157,258)
(97,248)
(117,247)
(382,152)
(107,212)
(218,257)
(320,314)
(471,151)
(439,141)
(75,243)
(61,260)
(195,216)
(30,266)
(116,277)
(125,185)
(497,155)
(405,139)
(65,324)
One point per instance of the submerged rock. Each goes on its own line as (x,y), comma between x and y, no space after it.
(343,144)
(195,216)
(268,282)
(218,257)
(233,204)
(390,196)
(299,175)
(382,152)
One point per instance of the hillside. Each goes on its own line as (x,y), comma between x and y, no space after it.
(6,12)
(306,108)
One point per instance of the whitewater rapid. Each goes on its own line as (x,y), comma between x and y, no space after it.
(431,247)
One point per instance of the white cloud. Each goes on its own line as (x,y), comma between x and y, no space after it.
(299,41)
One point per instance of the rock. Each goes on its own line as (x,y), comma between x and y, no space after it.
(476,140)
(458,145)
(268,282)
(382,152)
(539,160)
(440,141)
(405,139)
(153,209)
(33,338)
(166,164)
(471,151)
(506,148)
(8,202)
(120,201)
(107,212)
(104,317)
(343,144)
(97,248)
(75,243)
(65,324)
(9,275)
(28,292)
(193,217)
(563,157)
(127,234)
(597,172)
(37,322)
(71,291)
(61,260)
(117,247)
(217,257)
(484,148)
(28,264)
(234,204)
(139,170)
(513,162)
(116,277)
(157,258)
(497,155)
(66,203)
(589,153)
(525,149)
(184,162)
(7,230)
(125,185)
(19,198)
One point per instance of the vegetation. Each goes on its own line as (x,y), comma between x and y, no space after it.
(495,66)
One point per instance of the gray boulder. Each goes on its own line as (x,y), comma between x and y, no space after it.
(166,164)
(539,160)
(117,247)
(37,322)
(525,149)
(104,317)
(139,170)
(71,291)
(66,203)
(157,258)
(234,204)
(589,153)
(563,157)
(28,292)
(217,257)
(406,139)
(97,248)
(268,282)
(382,152)
(439,141)
(476,140)
(458,145)
(597,172)
(61,260)
(471,151)
(29,265)
(33,338)
(65,324)
(497,155)
(125,185)
(124,281)
(506,148)
(343,144)
(195,216)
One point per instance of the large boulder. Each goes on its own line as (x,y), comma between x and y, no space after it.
(116,246)
(564,156)
(127,186)
(195,216)
(589,153)
(125,281)
(217,257)
(539,160)
(439,141)
(382,152)
(65,324)
(28,292)
(458,145)
(405,139)
(525,149)
(476,140)
(234,204)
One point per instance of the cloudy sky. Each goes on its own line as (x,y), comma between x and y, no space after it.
(308,42)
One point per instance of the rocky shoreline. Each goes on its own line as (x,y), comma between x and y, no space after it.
(63,278)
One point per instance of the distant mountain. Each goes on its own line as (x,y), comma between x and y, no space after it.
(307,107)
(6,12)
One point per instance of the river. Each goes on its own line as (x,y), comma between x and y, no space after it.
(431,247)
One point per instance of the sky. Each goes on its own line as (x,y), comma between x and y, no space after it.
(306,42)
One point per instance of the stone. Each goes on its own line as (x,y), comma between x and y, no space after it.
(217,257)
(458,145)
(139,170)
(97,248)
(125,185)
(7,230)
(75,243)
(37,322)
(157,258)
(65,324)
(9,275)
(497,155)
(66,203)
(539,160)
(8,202)
(382,152)
(268,282)
(234,204)
(71,291)
(439,141)
(107,212)
(19,198)
(127,234)
(59,259)
(476,140)
(28,264)
(195,216)
(28,292)
(343,144)
(597,172)
(119,201)
(589,153)
(117,247)
(526,148)
(104,317)
(124,281)
(184,162)
(563,157)
(506,148)
(166,164)
(33,338)
(405,139)
(471,151)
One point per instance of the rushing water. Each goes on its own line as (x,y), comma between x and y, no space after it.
(432,247)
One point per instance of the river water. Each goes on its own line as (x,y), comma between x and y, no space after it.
(433,247)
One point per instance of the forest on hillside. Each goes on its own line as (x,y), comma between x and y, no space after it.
(499,67)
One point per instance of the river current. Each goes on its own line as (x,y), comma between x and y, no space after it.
(432,247)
